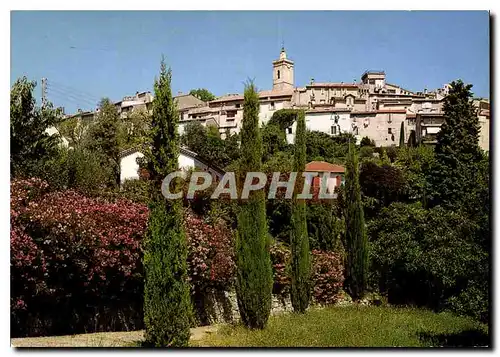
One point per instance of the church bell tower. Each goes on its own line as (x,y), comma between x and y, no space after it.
(282,72)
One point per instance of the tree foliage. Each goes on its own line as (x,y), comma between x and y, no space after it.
(167,306)
(284,118)
(254,274)
(455,176)
(356,238)
(30,144)
(202,94)
(104,136)
(402,135)
(301,265)
(429,258)
(207,142)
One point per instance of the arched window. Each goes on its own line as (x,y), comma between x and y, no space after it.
(278,74)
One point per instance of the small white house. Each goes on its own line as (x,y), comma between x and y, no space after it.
(129,168)
(53,131)
(328,121)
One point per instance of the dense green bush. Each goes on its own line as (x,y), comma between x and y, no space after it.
(429,258)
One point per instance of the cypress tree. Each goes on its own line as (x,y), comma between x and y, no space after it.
(254,270)
(300,287)
(167,305)
(455,175)
(402,135)
(356,238)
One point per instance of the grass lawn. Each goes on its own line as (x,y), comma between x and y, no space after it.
(355,326)
(352,326)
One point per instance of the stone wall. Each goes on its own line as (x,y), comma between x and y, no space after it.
(217,306)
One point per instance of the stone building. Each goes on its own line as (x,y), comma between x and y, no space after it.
(372,107)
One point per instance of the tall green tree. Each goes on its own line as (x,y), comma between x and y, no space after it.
(167,305)
(30,144)
(455,176)
(254,274)
(203,94)
(355,232)
(459,182)
(105,136)
(301,264)
(402,135)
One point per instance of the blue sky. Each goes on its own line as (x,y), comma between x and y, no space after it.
(87,55)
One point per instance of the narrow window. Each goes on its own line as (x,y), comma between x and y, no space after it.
(278,74)
(289,130)
(334,130)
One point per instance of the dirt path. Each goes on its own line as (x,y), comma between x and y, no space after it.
(100,339)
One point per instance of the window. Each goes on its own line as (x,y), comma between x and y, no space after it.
(322,90)
(371,81)
(278,74)
(321,101)
(334,130)
(231,114)
(271,106)
(392,91)
(238,105)
(289,130)
(389,130)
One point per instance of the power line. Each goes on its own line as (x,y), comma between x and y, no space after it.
(74,90)
(72,99)
(71,96)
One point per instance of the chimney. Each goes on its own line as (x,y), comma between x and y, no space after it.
(80,111)
(425,90)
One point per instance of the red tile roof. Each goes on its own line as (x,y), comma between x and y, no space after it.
(381,111)
(262,94)
(322,166)
(334,85)
(327,110)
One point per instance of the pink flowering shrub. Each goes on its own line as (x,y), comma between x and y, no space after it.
(280,258)
(211,260)
(328,276)
(74,260)
(327,273)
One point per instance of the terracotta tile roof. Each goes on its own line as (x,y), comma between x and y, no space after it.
(203,110)
(262,94)
(275,93)
(227,98)
(322,166)
(380,111)
(485,112)
(186,101)
(327,110)
(334,85)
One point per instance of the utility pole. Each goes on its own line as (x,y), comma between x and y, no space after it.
(44,92)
